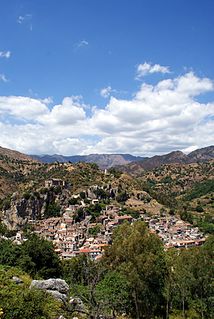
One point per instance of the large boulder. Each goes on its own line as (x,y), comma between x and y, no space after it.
(59,285)
(58,288)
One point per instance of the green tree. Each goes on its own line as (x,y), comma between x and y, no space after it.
(183,280)
(79,215)
(139,256)
(113,293)
(9,253)
(203,272)
(189,285)
(94,211)
(83,274)
(52,210)
(122,197)
(39,258)
(94,231)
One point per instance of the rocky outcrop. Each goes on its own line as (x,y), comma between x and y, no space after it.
(58,288)
(24,209)
(58,295)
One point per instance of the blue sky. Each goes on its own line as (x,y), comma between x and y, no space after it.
(71,70)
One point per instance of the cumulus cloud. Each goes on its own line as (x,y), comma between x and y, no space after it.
(5,54)
(159,118)
(67,113)
(148,68)
(22,108)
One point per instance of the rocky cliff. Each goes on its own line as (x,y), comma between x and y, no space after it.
(29,207)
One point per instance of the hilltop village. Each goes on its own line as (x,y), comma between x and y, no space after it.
(76,231)
(78,206)
(57,220)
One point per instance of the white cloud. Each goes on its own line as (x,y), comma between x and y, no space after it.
(67,113)
(190,149)
(81,44)
(158,119)
(106,92)
(26,19)
(3,78)
(22,108)
(23,18)
(20,19)
(148,68)
(47,100)
(5,54)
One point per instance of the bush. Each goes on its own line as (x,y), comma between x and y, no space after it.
(19,302)
(3,229)
(6,204)
(199,209)
(35,256)
(26,195)
(73,201)
(94,231)
(52,210)
(122,197)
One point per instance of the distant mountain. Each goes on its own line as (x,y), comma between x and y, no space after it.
(126,162)
(202,154)
(102,160)
(175,157)
(158,160)
(133,162)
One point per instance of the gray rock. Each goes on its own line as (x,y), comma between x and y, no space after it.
(57,295)
(77,304)
(59,285)
(17,280)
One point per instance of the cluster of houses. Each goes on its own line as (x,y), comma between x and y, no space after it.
(175,232)
(71,239)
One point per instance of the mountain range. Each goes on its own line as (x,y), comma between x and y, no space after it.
(175,157)
(128,161)
(125,162)
(102,160)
